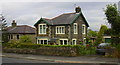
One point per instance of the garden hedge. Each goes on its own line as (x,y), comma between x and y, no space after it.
(58,50)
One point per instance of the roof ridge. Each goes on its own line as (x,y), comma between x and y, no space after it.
(47,18)
(62,14)
(70,13)
(56,16)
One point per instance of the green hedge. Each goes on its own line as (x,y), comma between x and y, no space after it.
(35,46)
(81,50)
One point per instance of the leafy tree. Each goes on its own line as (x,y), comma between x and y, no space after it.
(99,39)
(113,18)
(108,31)
(25,39)
(92,33)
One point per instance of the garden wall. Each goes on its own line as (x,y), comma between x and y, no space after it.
(57,51)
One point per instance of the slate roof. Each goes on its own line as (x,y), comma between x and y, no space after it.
(66,18)
(21,29)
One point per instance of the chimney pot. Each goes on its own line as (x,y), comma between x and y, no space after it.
(14,23)
(77,9)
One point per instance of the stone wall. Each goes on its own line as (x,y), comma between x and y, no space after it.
(55,51)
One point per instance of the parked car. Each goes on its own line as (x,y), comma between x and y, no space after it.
(101,48)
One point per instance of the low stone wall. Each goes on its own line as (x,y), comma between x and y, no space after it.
(57,51)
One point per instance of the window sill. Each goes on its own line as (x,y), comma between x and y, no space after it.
(60,33)
(75,33)
(83,33)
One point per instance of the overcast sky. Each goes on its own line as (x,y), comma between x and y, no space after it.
(28,13)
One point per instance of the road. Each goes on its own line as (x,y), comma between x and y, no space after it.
(18,60)
(6,61)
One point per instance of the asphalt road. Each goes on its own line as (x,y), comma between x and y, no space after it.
(18,60)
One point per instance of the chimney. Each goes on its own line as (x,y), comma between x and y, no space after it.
(77,9)
(14,23)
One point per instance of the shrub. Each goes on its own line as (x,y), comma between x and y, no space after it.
(25,39)
(117,51)
(12,44)
(80,49)
(35,46)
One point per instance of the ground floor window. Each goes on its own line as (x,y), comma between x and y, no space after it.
(63,41)
(84,41)
(73,41)
(11,36)
(42,41)
(18,37)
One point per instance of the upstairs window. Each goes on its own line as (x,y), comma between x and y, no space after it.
(60,29)
(83,29)
(42,28)
(75,28)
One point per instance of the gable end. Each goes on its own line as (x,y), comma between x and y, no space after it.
(41,20)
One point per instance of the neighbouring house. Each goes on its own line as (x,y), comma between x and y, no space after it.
(65,29)
(107,38)
(93,39)
(16,31)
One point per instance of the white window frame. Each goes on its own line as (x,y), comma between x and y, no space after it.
(42,28)
(75,30)
(84,41)
(63,41)
(60,28)
(75,41)
(43,41)
(83,31)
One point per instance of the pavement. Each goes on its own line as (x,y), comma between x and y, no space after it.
(61,59)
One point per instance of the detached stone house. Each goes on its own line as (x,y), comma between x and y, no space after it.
(16,31)
(65,29)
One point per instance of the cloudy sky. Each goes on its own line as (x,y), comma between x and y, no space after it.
(28,13)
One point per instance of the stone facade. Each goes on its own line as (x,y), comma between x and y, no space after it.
(67,22)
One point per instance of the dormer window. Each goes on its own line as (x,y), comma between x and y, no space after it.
(75,28)
(42,28)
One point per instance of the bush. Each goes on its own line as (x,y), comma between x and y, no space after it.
(25,39)
(12,44)
(35,46)
(117,51)
(80,49)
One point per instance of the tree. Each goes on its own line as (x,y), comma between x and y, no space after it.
(113,18)
(92,33)
(91,36)
(3,23)
(3,31)
(108,32)
(25,39)
(99,39)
